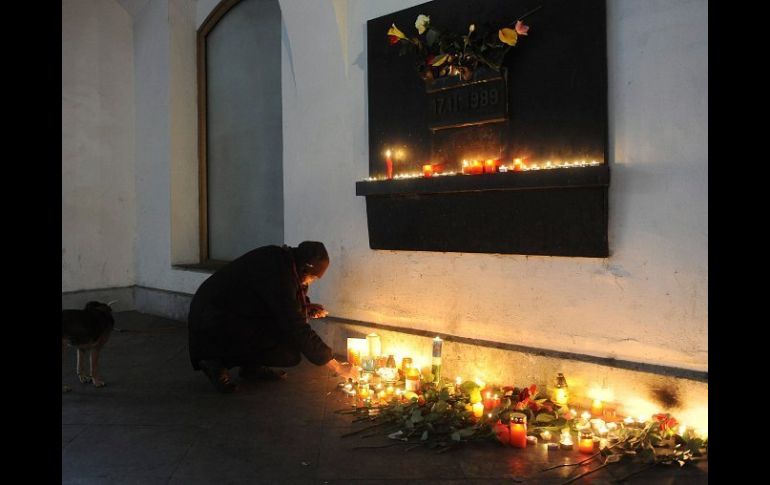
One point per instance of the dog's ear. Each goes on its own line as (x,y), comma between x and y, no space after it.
(99,306)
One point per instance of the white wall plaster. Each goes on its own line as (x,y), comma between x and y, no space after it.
(646,303)
(98,193)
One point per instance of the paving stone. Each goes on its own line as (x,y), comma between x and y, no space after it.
(158,421)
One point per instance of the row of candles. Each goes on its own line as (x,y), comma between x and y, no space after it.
(379,376)
(488,166)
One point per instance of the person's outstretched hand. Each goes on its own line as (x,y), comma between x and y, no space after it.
(315,310)
(343,370)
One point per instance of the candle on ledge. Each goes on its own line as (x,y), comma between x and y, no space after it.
(478,410)
(518,165)
(477,167)
(597,408)
(412,379)
(561,392)
(389,164)
(518,430)
(427,170)
(586,442)
(356,348)
(491,165)
(565,441)
(546,435)
(375,345)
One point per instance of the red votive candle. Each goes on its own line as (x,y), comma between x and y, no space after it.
(427,170)
(477,167)
(597,408)
(518,430)
(586,443)
(490,166)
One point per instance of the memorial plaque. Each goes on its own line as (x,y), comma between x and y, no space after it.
(467,103)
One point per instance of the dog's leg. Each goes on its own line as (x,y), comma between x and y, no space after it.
(98,382)
(63,348)
(81,367)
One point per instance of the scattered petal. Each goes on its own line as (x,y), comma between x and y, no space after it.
(508,36)
(422,23)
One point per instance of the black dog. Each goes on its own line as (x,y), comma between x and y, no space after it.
(87,329)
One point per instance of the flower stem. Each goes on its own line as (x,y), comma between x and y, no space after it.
(530,12)
(586,473)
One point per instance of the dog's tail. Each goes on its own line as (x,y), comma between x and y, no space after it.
(109,304)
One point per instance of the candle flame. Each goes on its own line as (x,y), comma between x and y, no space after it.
(387,153)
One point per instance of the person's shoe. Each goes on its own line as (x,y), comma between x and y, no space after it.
(218,375)
(261,373)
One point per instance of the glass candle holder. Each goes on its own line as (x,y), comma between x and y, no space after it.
(518,430)
(560,391)
(586,442)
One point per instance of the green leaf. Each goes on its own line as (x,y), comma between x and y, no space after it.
(544,418)
(444,395)
(416,416)
(456,436)
(424,435)
(468,386)
(431,36)
(466,432)
(439,60)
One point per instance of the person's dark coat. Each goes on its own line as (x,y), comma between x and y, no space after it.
(253,304)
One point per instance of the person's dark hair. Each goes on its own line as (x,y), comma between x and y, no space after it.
(312,258)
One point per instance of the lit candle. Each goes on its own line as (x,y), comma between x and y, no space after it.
(488,402)
(466,167)
(546,435)
(517,165)
(412,379)
(552,446)
(565,442)
(427,170)
(477,167)
(375,345)
(356,347)
(586,443)
(389,164)
(597,408)
(390,390)
(478,410)
(560,392)
(518,430)
(363,390)
(490,165)
(532,440)
(629,420)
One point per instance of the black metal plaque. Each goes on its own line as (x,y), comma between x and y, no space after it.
(467,104)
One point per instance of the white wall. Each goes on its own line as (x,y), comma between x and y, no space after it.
(647,302)
(98,192)
(165,144)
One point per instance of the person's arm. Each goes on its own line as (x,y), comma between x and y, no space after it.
(280,294)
